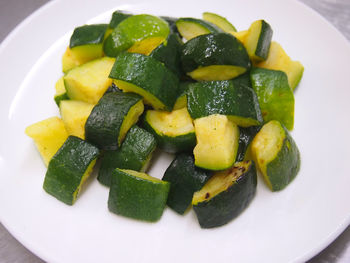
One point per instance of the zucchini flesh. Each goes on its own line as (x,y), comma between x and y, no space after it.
(216,72)
(225,195)
(48,136)
(217,142)
(61,93)
(74,114)
(89,81)
(278,59)
(276,155)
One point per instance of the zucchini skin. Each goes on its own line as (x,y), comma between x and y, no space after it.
(246,136)
(169,53)
(87,35)
(276,98)
(67,168)
(214,49)
(228,204)
(223,97)
(185,179)
(149,74)
(105,121)
(133,154)
(286,163)
(117,17)
(136,197)
(263,45)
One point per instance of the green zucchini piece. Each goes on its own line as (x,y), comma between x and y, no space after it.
(69,168)
(86,44)
(135,154)
(137,195)
(147,77)
(276,99)
(117,17)
(219,21)
(137,33)
(89,81)
(225,195)
(61,93)
(181,101)
(217,56)
(48,136)
(279,60)
(174,131)
(276,155)
(246,136)
(185,179)
(238,102)
(258,40)
(190,27)
(169,53)
(111,119)
(74,114)
(217,142)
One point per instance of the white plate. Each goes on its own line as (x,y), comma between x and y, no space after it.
(291,225)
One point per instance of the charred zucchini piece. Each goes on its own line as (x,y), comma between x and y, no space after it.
(135,154)
(69,168)
(225,195)
(276,155)
(185,179)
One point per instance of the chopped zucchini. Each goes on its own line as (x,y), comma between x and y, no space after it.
(137,33)
(85,44)
(147,77)
(219,21)
(89,81)
(217,56)
(226,97)
(185,179)
(258,40)
(135,154)
(191,27)
(181,101)
(173,131)
(74,114)
(137,195)
(276,155)
(277,59)
(225,195)
(246,136)
(217,142)
(276,99)
(69,168)
(61,93)
(111,119)
(48,136)
(240,35)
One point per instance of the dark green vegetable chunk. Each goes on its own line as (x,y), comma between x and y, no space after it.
(117,17)
(148,77)
(111,119)
(276,154)
(185,179)
(276,98)
(169,53)
(225,195)
(217,56)
(87,35)
(192,27)
(69,168)
(246,136)
(134,154)
(137,195)
(238,102)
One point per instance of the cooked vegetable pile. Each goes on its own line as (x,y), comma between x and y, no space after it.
(220,100)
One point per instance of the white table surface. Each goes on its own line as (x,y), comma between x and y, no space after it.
(13,12)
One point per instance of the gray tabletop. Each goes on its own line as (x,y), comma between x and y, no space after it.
(14,11)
